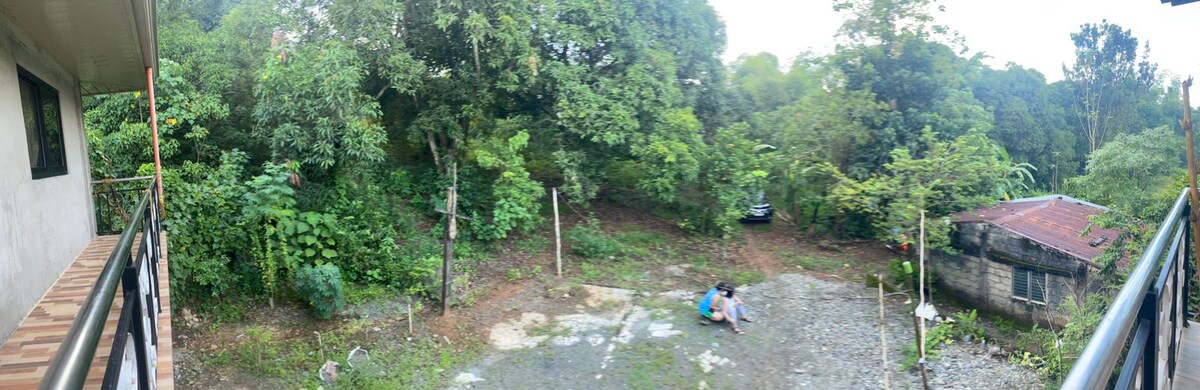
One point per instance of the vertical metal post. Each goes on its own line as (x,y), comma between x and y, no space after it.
(131,296)
(154,136)
(1188,270)
(1149,312)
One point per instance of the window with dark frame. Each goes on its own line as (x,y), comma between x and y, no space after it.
(43,126)
(1029,285)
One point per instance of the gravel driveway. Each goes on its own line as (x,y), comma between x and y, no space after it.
(808,333)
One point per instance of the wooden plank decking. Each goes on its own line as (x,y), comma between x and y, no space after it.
(26,355)
(1187,372)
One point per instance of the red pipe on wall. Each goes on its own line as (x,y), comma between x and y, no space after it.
(154,136)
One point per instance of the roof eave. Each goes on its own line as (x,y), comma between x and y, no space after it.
(106,45)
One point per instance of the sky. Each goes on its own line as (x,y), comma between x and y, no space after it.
(1033,33)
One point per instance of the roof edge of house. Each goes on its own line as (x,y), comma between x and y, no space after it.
(1058,197)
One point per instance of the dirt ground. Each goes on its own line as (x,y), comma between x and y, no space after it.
(816,325)
(808,333)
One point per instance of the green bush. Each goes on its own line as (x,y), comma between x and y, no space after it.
(945,333)
(206,236)
(321,286)
(966,323)
(589,242)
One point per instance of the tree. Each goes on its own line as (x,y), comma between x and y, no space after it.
(758,78)
(118,125)
(1030,122)
(1107,81)
(884,22)
(310,108)
(1137,175)
(949,177)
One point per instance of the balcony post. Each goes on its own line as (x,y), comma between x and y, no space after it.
(154,137)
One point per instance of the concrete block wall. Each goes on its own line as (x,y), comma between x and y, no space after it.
(981,273)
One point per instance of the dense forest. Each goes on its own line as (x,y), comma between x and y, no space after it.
(308,144)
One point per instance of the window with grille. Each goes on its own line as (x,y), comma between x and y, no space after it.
(1029,285)
(43,126)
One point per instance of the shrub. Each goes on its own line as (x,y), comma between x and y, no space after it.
(321,286)
(965,323)
(257,354)
(517,197)
(589,242)
(207,239)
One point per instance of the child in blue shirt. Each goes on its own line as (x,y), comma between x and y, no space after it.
(720,304)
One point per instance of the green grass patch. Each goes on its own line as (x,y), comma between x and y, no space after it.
(359,294)
(423,364)
(642,238)
(548,330)
(629,274)
(656,366)
(743,277)
(532,244)
(815,263)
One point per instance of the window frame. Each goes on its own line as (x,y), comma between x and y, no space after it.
(40,88)
(1030,274)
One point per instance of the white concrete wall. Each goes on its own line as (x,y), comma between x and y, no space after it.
(44,223)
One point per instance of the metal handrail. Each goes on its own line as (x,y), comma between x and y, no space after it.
(111,202)
(122,180)
(1095,365)
(70,366)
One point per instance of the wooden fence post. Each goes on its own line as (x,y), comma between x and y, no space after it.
(557,237)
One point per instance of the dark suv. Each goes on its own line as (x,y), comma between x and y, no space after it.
(758,209)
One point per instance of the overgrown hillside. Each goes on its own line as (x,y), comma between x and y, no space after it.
(308,145)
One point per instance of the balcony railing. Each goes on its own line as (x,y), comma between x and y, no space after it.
(133,266)
(114,199)
(1151,308)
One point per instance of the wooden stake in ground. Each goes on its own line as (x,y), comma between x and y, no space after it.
(920,327)
(557,237)
(921,278)
(917,332)
(1186,124)
(448,255)
(883,335)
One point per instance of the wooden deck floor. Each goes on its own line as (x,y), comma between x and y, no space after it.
(26,355)
(1187,372)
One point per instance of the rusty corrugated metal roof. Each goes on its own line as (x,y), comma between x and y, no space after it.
(1054,221)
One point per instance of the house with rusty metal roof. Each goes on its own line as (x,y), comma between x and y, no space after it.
(1021,258)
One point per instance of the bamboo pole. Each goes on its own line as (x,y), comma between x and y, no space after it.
(921,293)
(921,278)
(557,236)
(920,344)
(1186,123)
(883,335)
